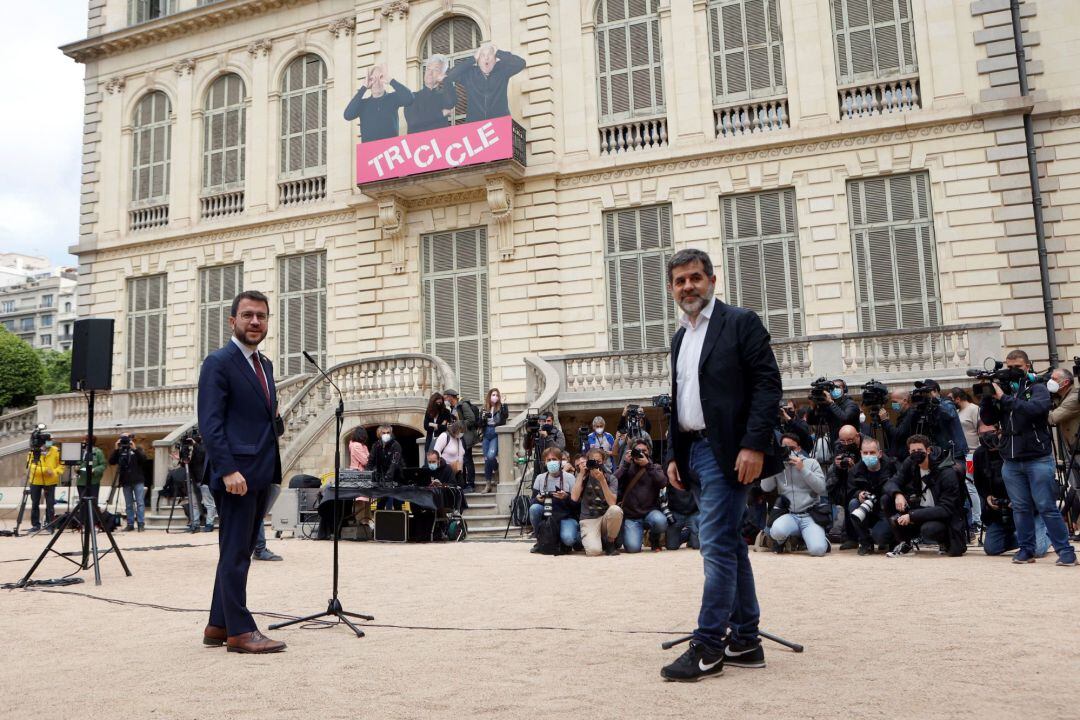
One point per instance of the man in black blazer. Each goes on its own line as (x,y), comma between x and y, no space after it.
(238,418)
(725,393)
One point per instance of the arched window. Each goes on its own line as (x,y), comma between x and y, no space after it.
(223,135)
(151,137)
(303,118)
(629,59)
(457,38)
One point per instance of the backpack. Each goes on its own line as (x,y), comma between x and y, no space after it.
(547,537)
(519,511)
(470,417)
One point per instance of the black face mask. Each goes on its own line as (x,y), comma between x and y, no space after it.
(990,440)
(918,456)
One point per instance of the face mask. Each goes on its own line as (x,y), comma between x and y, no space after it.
(837,393)
(553,466)
(896,406)
(494,399)
(918,457)
(1052,386)
(48,443)
(598,431)
(547,428)
(871,462)
(385,438)
(433,466)
(862,418)
(1015,386)
(1031,376)
(989,440)
(449,405)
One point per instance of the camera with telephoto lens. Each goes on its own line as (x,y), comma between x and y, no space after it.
(866,507)
(874,396)
(820,389)
(784,453)
(995,372)
(548,500)
(921,396)
(38,438)
(663,402)
(846,456)
(127,451)
(665,506)
(591,464)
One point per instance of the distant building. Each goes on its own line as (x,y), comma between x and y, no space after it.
(16,268)
(41,307)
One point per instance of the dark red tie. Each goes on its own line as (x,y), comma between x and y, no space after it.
(262,376)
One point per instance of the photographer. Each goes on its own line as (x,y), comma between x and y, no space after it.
(600,440)
(97,471)
(1028,454)
(45,471)
(201,480)
(866,481)
(129,458)
(926,468)
(548,436)
(633,425)
(800,484)
(555,485)
(937,419)
(1066,414)
(832,406)
(999,528)
(687,520)
(601,517)
(792,424)
(640,482)
(898,432)
(846,454)
(950,429)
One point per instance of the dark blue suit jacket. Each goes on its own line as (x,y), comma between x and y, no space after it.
(740,391)
(236,423)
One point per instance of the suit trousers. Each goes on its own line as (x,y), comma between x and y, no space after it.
(239,519)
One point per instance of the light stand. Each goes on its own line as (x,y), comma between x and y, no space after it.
(90,516)
(333,608)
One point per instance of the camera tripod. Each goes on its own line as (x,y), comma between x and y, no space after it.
(877,430)
(32,459)
(90,516)
(193,509)
(529,461)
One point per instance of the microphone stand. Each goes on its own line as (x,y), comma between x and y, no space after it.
(333,608)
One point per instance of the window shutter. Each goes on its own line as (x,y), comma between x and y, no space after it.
(874,39)
(146,332)
(223,134)
(151,135)
(747,50)
(638,244)
(629,59)
(303,117)
(218,286)
(456,37)
(302,310)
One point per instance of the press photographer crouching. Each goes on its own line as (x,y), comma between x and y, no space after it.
(684,522)
(640,483)
(926,468)
(865,491)
(846,454)
(129,459)
(551,499)
(596,491)
(997,517)
(1012,399)
(801,485)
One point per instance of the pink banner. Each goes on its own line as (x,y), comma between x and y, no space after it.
(473,143)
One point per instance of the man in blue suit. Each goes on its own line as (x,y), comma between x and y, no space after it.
(240,428)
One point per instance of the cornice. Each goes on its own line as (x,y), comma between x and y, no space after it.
(178,24)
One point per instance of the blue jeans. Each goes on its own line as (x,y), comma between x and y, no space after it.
(999,538)
(491,452)
(729,599)
(801,525)
(272,496)
(1031,488)
(569,531)
(634,530)
(685,530)
(135,504)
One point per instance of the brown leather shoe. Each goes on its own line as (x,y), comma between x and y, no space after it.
(254,642)
(214,636)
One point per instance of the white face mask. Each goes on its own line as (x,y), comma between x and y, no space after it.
(598,431)
(386,437)
(1052,386)
(862,418)
(494,398)
(449,405)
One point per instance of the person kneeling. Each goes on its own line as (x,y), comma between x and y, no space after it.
(684,511)
(927,468)
(801,483)
(640,501)
(601,517)
(551,498)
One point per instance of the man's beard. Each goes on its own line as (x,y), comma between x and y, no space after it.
(697,303)
(242,336)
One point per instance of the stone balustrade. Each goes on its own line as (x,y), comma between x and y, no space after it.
(631,135)
(18,424)
(751,117)
(879,98)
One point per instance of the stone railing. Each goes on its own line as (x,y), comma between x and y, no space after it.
(751,117)
(633,135)
(879,97)
(222,204)
(942,352)
(17,424)
(148,217)
(542,393)
(295,192)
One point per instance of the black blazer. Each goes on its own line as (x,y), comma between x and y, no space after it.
(740,391)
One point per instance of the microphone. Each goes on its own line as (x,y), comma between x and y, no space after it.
(322,372)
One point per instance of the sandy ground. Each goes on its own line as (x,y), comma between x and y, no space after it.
(927,637)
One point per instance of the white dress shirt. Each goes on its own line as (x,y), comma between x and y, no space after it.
(688,402)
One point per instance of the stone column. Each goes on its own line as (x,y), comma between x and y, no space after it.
(260,170)
(186,169)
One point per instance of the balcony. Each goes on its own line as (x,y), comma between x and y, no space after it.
(148,217)
(631,135)
(751,118)
(222,204)
(301,190)
(879,97)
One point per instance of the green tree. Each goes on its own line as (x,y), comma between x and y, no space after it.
(22,374)
(57,371)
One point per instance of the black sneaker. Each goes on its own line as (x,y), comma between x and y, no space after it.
(697,662)
(849,545)
(745,656)
(866,549)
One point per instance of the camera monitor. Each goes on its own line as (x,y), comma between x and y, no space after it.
(71,452)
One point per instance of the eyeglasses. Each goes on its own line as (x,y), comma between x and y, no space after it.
(248,316)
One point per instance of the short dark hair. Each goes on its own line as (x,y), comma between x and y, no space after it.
(687,256)
(552,452)
(254,295)
(547,414)
(961,393)
(1018,353)
(793,437)
(919,440)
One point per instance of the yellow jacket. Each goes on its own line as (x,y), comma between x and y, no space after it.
(48,470)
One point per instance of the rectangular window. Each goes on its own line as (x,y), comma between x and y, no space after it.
(46,340)
(747,50)
(302,307)
(875,39)
(454,284)
(761,258)
(46,320)
(638,244)
(8,306)
(27,324)
(46,301)
(146,332)
(892,233)
(9,325)
(217,288)
(629,60)
(140,11)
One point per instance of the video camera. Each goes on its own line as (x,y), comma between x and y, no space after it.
(664,401)
(185,446)
(995,372)
(38,438)
(127,451)
(635,420)
(922,396)
(874,396)
(820,389)
(532,421)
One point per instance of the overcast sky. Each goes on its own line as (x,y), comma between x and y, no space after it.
(41,112)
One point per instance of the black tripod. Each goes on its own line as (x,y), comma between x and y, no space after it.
(333,608)
(877,430)
(786,643)
(89,516)
(31,459)
(529,461)
(193,509)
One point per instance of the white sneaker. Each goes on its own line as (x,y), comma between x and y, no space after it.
(904,549)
